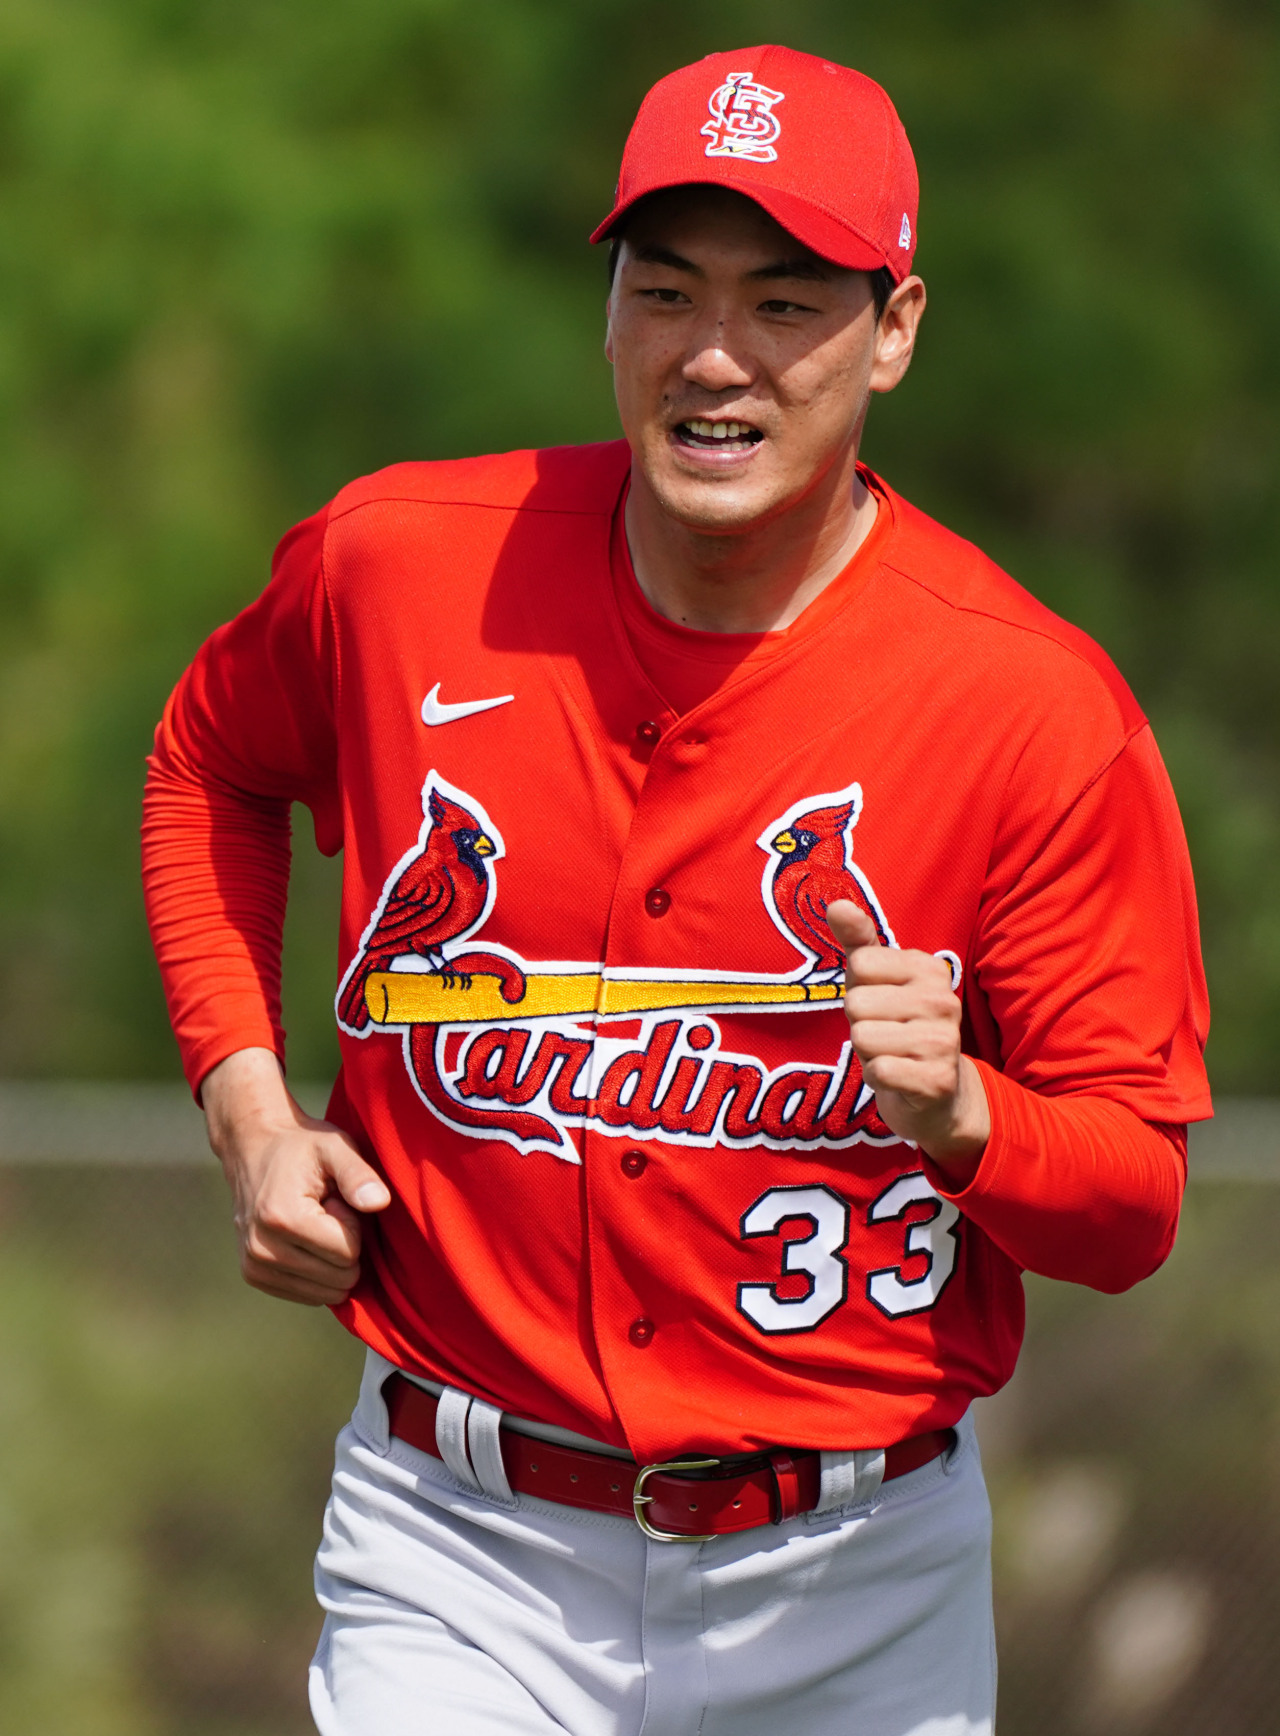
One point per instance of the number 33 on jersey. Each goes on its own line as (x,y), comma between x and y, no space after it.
(820,1258)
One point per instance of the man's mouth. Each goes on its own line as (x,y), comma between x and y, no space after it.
(726,436)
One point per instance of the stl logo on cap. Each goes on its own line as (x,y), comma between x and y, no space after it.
(742,122)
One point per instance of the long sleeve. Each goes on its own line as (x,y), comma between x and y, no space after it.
(1086,1012)
(1074,1187)
(248,731)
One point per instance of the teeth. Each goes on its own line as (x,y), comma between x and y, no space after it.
(718,430)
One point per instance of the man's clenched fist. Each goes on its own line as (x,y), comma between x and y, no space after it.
(904,1022)
(300,1186)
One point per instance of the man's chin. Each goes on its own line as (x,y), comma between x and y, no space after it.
(725,507)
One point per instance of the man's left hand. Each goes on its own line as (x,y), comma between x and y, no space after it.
(904,1022)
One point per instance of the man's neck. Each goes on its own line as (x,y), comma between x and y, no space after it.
(754,581)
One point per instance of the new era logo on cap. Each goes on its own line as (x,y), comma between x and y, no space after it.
(834,168)
(742,122)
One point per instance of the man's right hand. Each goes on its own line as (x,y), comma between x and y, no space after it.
(299,1184)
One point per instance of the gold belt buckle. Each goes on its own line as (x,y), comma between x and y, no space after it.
(639,1500)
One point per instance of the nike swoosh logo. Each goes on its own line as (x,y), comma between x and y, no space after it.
(436,710)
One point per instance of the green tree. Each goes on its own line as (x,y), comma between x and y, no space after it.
(248,251)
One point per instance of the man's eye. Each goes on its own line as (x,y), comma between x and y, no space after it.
(667,296)
(781,307)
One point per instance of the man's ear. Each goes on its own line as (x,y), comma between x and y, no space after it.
(896,334)
(615,266)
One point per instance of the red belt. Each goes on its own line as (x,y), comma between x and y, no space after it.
(665,1500)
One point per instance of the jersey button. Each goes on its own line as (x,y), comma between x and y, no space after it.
(648,733)
(641,1332)
(634,1163)
(657,901)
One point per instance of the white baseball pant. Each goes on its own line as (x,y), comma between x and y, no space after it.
(452,1612)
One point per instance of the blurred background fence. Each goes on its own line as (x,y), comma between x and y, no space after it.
(166,1434)
(250,249)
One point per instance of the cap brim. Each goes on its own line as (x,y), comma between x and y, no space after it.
(822,233)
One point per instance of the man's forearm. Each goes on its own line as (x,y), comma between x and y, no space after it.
(1074,1187)
(246,1093)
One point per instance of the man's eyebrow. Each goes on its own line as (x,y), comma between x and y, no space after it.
(806,268)
(654,254)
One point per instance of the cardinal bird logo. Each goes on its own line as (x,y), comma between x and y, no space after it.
(810,866)
(441,891)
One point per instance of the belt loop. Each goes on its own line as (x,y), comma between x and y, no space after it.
(371,1407)
(486,1451)
(786,1486)
(451,1434)
(850,1479)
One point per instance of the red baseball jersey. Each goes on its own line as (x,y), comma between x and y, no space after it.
(590,1014)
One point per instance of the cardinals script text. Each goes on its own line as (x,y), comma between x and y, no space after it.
(537,1081)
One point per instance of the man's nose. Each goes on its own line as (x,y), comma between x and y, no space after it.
(717,363)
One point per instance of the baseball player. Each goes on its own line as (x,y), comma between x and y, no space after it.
(766,932)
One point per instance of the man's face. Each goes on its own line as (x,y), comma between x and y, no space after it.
(742,361)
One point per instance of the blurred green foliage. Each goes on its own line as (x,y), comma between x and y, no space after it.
(249,250)
(167,1441)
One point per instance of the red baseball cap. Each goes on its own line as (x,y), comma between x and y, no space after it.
(819,146)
